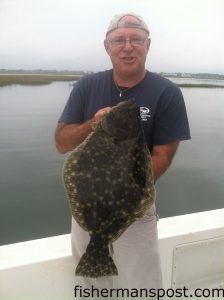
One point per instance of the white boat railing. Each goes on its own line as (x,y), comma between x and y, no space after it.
(191,247)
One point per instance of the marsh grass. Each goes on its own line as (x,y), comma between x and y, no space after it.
(36,79)
(41,79)
(199,85)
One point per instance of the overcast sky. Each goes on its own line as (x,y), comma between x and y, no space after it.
(187,35)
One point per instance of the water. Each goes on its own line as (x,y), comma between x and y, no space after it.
(32,199)
(33,203)
(195,181)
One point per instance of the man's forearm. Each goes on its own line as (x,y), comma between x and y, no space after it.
(159,166)
(161,158)
(68,137)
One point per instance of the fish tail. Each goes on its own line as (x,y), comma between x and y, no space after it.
(94,268)
(96,261)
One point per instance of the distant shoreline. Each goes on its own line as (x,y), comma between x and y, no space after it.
(44,78)
(34,79)
(199,85)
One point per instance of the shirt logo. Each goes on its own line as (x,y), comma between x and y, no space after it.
(144,113)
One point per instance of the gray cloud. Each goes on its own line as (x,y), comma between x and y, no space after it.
(187,35)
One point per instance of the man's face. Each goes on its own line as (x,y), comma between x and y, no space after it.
(128,57)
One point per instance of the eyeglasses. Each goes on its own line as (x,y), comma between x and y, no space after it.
(121,42)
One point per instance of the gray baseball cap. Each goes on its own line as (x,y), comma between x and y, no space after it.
(117,22)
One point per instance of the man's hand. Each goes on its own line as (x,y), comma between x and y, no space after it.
(69,136)
(101,113)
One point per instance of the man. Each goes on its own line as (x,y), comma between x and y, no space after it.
(164,122)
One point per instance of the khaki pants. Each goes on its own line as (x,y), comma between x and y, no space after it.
(135,254)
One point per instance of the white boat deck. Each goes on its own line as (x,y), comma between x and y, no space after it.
(192,255)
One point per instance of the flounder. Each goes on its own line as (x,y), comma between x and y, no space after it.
(109,183)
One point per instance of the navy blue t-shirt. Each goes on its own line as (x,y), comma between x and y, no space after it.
(161,103)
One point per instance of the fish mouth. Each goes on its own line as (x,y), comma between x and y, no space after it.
(130,103)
